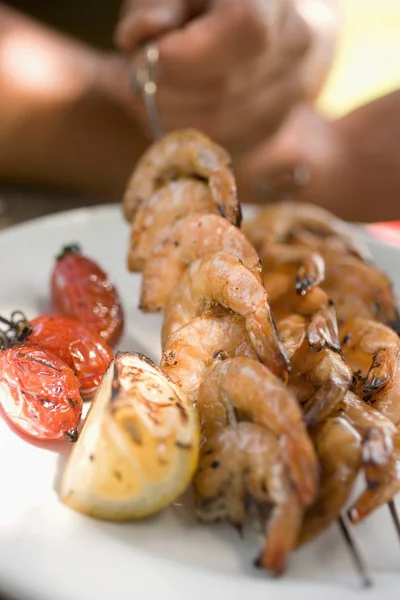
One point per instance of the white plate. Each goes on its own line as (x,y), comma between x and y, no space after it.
(49,552)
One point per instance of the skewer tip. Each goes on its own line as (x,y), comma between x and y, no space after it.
(357,557)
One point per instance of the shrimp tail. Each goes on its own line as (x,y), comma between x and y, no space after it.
(327,509)
(339,453)
(269,349)
(277,543)
(298,453)
(310,274)
(219,182)
(382,370)
(323,402)
(323,331)
(382,486)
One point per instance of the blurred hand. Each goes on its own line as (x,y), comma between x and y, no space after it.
(349,166)
(232,68)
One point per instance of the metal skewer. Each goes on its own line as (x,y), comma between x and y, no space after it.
(358,560)
(395,516)
(145,80)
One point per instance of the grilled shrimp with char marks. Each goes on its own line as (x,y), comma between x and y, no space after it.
(372,350)
(222,279)
(241,465)
(156,215)
(287,222)
(249,387)
(383,484)
(184,152)
(376,430)
(189,239)
(194,347)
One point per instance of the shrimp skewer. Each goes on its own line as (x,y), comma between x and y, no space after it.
(221,279)
(185,152)
(249,387)
(240,462)
(155,217)
(189,239)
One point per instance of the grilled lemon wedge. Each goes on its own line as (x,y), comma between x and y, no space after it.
(138,448)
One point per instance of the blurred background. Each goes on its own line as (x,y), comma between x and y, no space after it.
(367,62)
(366,66)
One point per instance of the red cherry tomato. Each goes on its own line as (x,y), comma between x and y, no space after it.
(77,346)
(81,289)
(39,393)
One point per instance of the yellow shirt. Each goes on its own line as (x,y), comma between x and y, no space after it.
(367,63)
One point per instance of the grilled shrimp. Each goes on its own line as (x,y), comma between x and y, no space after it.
(377,431)
(382,485)
(329,377)
(285,222)
(339,451)
(194,347)
(383,480)
(359,289)
(249,387)
(320,379)
(155,217)
(242,465)
(189,239)
(372,350)
(316,307)
(222,279)
(185,152)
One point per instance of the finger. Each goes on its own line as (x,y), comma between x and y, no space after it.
(148,19)
(229,34)
(302,144)
(243,126)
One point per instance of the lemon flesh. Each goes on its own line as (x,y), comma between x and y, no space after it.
(138,448)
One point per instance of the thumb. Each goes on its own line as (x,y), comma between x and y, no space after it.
(143,20)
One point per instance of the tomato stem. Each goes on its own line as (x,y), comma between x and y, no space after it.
(71,435)
(67,250)
(18,330)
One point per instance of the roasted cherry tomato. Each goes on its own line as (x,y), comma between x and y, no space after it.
(81,289)
(80,348)
(39,393)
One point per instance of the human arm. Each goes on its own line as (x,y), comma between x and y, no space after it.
(64,119)
(349,165)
